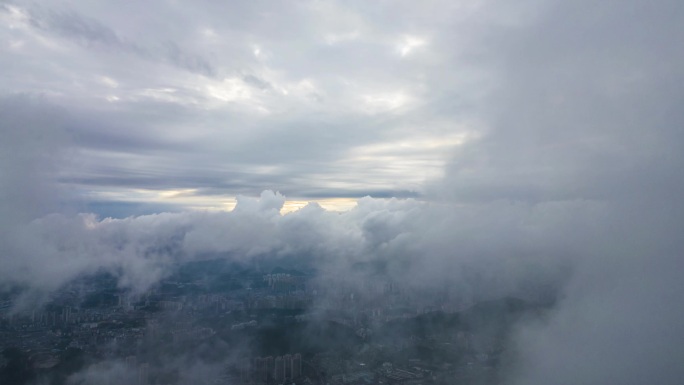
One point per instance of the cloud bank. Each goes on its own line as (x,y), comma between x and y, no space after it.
(569,181)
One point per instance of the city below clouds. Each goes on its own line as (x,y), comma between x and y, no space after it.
(502,150)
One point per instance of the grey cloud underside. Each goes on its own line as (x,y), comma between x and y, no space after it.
(228,183)
(120,210)
(93,35)
(304,140)
(294,151)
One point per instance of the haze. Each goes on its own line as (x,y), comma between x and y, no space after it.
(528,149)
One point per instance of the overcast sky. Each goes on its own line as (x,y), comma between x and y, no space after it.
(529,143)
(168,105)
(191,104)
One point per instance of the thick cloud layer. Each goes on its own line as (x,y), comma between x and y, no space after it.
(420,245)
(564,175)
(585,110)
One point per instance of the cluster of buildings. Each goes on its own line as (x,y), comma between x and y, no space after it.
(127,371)
(285,281)
(270,370)
(171,315)
(355,373)
(140,369)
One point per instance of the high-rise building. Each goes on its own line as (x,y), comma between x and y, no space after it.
(245,367)
(297,366)
(260,370)
(279,370)
(143,374)
(268,370)
(288,365)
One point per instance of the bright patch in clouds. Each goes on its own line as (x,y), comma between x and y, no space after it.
(409,44)
(109,82)
(376,103)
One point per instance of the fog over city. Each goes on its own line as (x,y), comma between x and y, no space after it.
(438,154)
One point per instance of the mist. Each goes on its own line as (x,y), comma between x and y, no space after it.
(562,192)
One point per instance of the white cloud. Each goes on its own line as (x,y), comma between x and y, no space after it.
(409,43)
(571,177)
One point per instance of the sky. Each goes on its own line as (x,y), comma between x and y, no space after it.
(496,147)
(186,106)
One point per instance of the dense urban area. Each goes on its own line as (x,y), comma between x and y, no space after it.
(216,322)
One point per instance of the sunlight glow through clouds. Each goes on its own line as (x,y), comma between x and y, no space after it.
(190,199)
(414,159)
(432,144)
(18,17)
(334,38)
(375,103)
(229,90)
(409,43)
(330,204)
(19,20)
(109,82)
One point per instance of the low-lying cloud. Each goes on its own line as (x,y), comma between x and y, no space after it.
(570,193)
